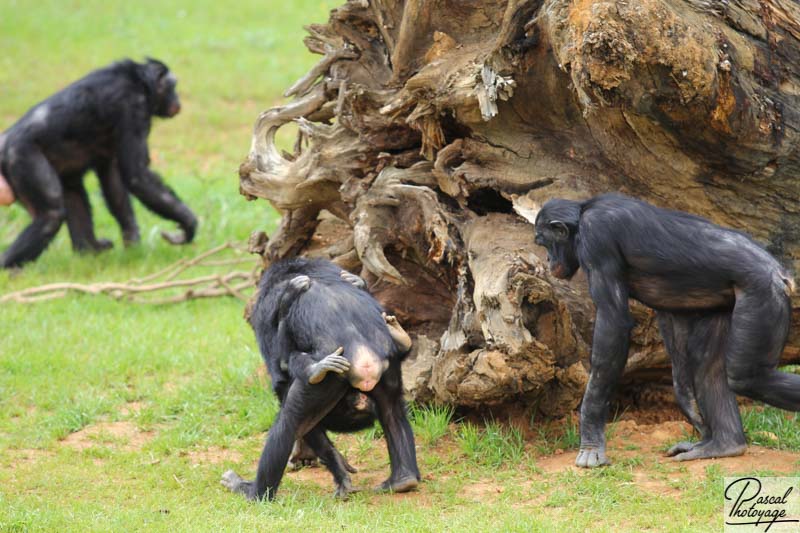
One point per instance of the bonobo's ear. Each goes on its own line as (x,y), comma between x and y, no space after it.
(560,230)
(158,68)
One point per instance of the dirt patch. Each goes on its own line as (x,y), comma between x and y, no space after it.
(131,408)
(648,441)
(214,455)
(755,458)
(120,435)
(482,491)
(25,456)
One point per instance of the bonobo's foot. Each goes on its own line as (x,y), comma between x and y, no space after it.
(93,246)
(331,363)
(235,483)
(404,484)
(592,457)
(681,447)
(707,450)
(302,456)
(345,489)
(131,237)
(102,244)
(396,331)
(354,280)
(300,283)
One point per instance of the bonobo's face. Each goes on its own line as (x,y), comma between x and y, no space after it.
(166,98)
(169,104)
(366,369)
(559,241)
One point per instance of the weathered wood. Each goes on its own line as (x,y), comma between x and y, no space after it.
(430,131)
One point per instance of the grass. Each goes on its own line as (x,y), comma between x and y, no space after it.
(431,422)
(118,417)
(492,445)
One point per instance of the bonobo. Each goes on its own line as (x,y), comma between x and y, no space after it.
(325,341)
(100,123)
(722,303)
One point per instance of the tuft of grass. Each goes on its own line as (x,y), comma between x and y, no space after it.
(771,427)
(568,438)
(430,422)
(493,445)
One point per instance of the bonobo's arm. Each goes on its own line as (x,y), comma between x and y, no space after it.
(146,185)
(612,327)
(399,335)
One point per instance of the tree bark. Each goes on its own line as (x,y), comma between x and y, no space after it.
(430,131)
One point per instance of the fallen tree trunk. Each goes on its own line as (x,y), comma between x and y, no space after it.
(429,131)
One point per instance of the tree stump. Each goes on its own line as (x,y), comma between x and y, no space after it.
(430,131)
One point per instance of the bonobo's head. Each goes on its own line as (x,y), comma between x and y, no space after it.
(556,228)
(366,368)
(161,85)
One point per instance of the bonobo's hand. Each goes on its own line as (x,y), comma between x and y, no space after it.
(592,457)
(186,235)
(352,279)
(300,283)
(235,483)
(331,363)
(175,237)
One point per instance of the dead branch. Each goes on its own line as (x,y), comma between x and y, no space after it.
(163,281)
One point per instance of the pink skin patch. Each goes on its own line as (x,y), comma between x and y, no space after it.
(365,370)
(6,194)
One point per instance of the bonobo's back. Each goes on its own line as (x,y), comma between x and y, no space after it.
(330,313)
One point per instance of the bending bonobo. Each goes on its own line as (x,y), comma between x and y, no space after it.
(322,336)
(723,310)
(101,123)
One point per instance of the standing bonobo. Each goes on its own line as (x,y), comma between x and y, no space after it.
(325,342)
(723,310)
(101,123)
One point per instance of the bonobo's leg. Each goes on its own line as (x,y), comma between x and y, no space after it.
(675,332)
(117,200)
(351,278)
(717,404)
(304,407)
(79,217)
(319,442)
(38,186)
(399,335)
(161,200)
(388,396)
(759,331)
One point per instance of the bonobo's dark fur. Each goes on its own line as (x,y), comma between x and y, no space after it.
(299,327)
(723,310)
(101,123)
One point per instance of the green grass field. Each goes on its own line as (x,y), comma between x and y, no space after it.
(122,417)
